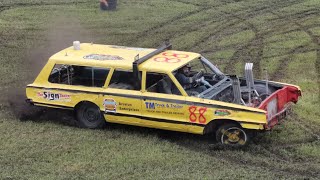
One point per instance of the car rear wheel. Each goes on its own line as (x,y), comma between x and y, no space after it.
(232,135)
(89,116)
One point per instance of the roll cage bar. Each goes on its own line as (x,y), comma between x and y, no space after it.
(166,46)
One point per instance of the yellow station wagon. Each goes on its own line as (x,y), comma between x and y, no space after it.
(159,88)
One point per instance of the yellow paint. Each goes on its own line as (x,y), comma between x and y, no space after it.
(252,126)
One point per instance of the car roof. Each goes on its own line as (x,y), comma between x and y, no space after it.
(122,57)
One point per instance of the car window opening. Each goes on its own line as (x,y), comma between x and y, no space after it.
(78,75)
(122,79)
(161,83)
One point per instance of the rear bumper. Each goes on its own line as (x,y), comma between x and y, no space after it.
(279,104)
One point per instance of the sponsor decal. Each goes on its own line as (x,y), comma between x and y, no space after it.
(153,105)
(164,108)
(127,107)
(110,105)
(222,112)
(102,57)
(54,96)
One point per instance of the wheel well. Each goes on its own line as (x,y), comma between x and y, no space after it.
(83,102)
(216,123)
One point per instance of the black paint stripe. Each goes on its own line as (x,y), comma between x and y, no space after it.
(152,98)
(54,105)
(156,119)
(129,115)
(136,116)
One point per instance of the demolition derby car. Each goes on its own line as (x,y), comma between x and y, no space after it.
(143,87)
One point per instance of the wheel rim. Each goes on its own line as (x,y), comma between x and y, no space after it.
(91,115)
(233,136)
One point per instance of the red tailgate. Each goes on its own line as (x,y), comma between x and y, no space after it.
(278,102)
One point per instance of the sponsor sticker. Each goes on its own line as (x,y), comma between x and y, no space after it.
(110,105)
(222,112)
(54,96)
(153,105)
(102,57)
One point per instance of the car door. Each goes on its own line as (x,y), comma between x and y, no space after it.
(160,108)
(121,102)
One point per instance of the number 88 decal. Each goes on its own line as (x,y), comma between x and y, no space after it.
(169,57)
(193,110)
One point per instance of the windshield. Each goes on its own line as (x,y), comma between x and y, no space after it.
(203,64)
(198,76)
(197,65)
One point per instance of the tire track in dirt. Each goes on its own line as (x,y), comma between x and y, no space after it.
(256,44)
(233,158)
(153,30)
(274,152)
(187,30)
(156,28)
(284,62)
(21,4)
(3,8)
(271,165)
(268,156)
(245,51)
(279,73)
(315,39)
(302,123)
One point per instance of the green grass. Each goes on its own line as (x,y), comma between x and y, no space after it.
(281,36)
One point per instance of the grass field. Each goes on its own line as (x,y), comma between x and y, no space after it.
(280,36)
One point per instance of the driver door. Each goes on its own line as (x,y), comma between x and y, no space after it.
(160,108)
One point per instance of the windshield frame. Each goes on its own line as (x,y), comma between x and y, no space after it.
(211,66)
(207,66)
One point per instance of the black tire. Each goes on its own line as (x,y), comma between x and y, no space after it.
(232,135)
(89,116)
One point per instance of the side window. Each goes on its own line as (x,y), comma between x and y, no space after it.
(78,75)
(122,79)
(160,83)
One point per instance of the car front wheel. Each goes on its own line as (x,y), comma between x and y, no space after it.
(89,116)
